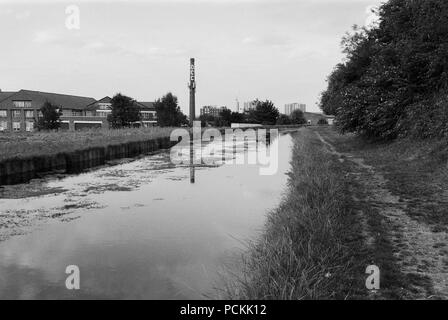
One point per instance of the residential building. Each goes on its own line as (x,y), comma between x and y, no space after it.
(19,111)
(248,106)
(103,107)
(213,111)
(291,107)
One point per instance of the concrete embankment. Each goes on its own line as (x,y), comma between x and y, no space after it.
(21,170)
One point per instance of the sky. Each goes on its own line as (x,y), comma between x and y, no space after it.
(281,50)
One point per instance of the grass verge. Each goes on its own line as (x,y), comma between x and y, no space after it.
(306,250)
(24,145)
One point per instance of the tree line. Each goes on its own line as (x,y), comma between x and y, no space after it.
(393,80)
(126,112)
(264,113)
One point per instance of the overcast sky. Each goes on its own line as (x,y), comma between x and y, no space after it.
(245,49)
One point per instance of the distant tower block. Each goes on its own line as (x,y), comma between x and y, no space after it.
(192,87)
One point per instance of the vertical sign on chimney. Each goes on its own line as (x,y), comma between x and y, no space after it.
(192,87)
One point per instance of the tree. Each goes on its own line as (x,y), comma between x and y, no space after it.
(125,112)
(394,79)
(225,117)
(51,117)
(283,119)
(168,112)
(237,117)
(297,117)
(264,113)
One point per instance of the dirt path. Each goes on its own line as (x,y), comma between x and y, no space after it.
(418,251)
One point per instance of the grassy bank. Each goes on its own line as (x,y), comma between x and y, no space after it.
(304,252)
(401,188)
(349,204)
(24,145)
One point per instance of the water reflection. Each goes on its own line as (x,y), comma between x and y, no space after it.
(137,230)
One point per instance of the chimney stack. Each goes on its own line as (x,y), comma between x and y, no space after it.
(192,87)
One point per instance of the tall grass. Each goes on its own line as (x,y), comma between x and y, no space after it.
(301,253)
(40,143)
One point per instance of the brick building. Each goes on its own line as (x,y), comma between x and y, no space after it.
(19,111)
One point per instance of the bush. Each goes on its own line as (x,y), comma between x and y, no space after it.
(283,120)
(322,122)
(298,117)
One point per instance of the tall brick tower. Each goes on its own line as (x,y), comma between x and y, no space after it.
(192,87)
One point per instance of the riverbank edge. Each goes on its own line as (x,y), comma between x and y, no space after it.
(23,169)
(334,221)
(306,248)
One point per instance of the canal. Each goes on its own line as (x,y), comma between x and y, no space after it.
(137,230)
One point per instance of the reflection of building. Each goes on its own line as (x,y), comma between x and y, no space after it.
(251,105)
(291,107)
(213,111)
(19,111)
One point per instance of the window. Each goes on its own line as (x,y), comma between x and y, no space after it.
(16,126)
(29,126)
(102,114)
(29,114)
(22,104)
(16,113)
(148,115)
(3,113)
(76,113)
(3,126)
(105,106)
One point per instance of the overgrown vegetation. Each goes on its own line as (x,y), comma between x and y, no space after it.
(22,145)
(303,254)
(394,79)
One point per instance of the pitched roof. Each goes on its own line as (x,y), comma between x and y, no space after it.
(63,100)
(146,105)
(106,99)
(68,101)
(5,94)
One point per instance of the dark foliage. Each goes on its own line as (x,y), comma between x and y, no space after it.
(168,112)
(283,119)
(265,113)
(125,112)
(298,117)
(50,119)
(393,81)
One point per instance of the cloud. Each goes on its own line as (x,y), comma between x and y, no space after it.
(74,40)
(45,37)
(23,15)
(268,40)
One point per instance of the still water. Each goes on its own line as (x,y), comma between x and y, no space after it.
(136,230)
